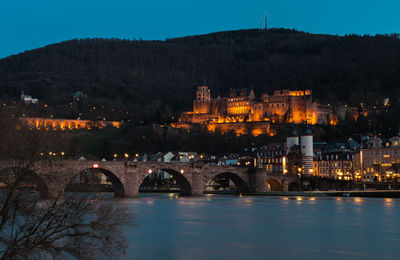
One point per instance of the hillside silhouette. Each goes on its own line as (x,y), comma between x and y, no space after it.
(156,80)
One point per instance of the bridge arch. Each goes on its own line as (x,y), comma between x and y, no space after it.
(274,185)
(240,183)
(119,188)
(179,175)
(28,176)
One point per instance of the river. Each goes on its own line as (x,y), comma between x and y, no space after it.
(231,227)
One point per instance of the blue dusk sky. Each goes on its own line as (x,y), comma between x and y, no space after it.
(29,24)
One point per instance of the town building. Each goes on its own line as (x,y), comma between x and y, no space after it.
(293,157)
(378,160)
(271,157)
(335,160)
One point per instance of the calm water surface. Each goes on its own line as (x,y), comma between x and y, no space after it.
(231,227)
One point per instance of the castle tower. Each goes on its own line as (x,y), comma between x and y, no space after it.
(203,99)
(307,151)
(203,93)
(292,139)
(232,93)
(252,96)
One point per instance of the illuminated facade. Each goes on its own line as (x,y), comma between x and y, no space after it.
(240,111)
(335,165)
(66,124)
(272,157)
(378,160)
(335,160)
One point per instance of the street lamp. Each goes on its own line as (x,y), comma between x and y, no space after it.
(299,170)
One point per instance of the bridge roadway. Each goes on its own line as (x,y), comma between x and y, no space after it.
(52,176)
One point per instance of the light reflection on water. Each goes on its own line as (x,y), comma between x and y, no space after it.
(224,227)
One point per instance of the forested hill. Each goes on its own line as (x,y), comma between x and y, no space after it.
(153,77)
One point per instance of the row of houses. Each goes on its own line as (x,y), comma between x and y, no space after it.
(374,159)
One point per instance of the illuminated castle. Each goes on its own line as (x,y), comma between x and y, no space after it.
(243,113)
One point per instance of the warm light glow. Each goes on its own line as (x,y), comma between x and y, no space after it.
(95,165)
(149,171)
(66,124)
(386,164)
(182,171)
(235,113)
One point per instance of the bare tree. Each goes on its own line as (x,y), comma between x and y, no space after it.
(32,227)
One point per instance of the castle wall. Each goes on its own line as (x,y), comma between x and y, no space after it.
(258,114)
(240,128)
(300,108)
(239,105)
(232,113)
(201,107)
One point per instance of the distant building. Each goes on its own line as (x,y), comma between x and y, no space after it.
(271,157)
(335,160)
(26,99)
(378,160)
(293,157)
(242,113)
(40,123)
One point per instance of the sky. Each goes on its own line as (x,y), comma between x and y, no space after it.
(29,24)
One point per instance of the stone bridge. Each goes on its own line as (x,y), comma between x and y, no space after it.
(126,176)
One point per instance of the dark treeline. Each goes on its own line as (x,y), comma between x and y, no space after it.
(156,80)
(152,139)
(152,82)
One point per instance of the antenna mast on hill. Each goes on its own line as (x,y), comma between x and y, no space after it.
(266,24)
(261,24)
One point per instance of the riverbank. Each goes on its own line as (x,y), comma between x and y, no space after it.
(352,193)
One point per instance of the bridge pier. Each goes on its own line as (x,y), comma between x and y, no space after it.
(131,185)
(197,184)
(257,180)
(285,185)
